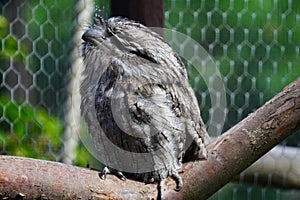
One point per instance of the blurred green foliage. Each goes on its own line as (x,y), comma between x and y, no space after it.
(255,45)
(27,131)
(9,48)
(49,26)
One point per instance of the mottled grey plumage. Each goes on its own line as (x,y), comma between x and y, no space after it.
(142,98)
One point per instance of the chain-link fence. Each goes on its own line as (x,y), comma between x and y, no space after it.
(255,46)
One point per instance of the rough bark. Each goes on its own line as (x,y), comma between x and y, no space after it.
(229,155)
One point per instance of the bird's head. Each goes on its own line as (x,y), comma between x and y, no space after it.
(96,33)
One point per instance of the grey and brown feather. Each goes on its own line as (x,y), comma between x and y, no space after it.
(141,95)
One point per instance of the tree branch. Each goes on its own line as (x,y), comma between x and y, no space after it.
(229,155)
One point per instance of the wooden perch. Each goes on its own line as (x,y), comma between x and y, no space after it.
(229,155)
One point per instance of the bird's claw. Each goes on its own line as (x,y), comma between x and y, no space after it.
(179,181)
(121,176)
(106,171)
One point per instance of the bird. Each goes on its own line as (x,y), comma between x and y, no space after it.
(136,96)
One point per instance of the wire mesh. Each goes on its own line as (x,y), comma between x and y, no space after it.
(255,46)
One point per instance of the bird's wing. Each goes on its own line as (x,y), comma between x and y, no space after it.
(160,107)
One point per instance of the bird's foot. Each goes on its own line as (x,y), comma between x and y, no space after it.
(179,181)
(161,185)
(107,170)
